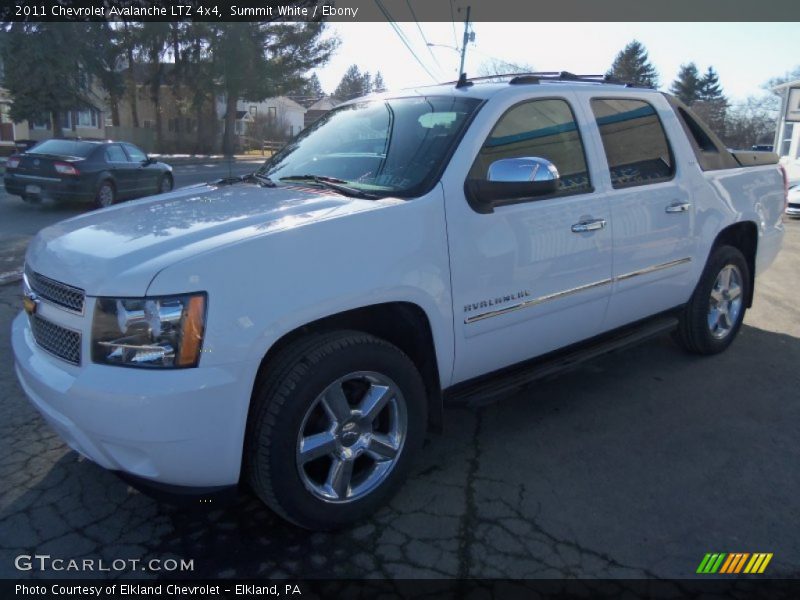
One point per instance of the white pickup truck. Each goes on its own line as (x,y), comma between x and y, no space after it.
(300,329)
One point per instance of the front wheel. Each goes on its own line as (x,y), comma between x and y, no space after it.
(334,428)
(165,184)
(714,314)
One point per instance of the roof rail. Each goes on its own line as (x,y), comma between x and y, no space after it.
(535,77)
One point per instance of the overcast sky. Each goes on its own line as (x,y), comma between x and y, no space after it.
(744,54)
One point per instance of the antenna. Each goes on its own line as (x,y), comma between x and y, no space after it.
(467,38)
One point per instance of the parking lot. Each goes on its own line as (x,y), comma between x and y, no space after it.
(635,465)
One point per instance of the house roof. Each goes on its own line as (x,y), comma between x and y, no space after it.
(326,103)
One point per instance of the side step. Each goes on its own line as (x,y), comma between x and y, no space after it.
(486,388)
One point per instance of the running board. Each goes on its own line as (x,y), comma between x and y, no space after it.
(486,388)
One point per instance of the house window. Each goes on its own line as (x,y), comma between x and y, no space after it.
(86,118)
(253,110)
(66,120)
(272,113)
(40,123)
(148,124)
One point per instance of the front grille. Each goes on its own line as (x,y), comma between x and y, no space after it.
(63,343)
(59,293)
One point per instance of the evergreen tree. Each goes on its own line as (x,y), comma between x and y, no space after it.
(686,86)
(632,65)
(710,88)
(378,85)
(711,104)
(354,83)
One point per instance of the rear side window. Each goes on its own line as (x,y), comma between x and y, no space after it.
(543,129)
(634,141)
(116,154)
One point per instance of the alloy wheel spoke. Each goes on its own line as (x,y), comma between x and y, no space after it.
(716,296)
(725,278)
(373,402)
(336,405)
(381,447)
(339,476)
(316,445)
(734,291)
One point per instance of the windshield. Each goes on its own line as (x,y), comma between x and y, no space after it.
(394,146)
(63,148)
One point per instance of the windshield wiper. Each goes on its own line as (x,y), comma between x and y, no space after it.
(260,179)
(332,183)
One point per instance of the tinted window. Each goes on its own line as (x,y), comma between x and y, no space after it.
(64,148)
(634,140)
(115,154)
(135,154)
(544,129)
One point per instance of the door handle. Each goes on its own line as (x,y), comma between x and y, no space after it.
(677,207)
(589,225)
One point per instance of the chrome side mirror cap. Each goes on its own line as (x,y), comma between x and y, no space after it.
(512,180)
(527,168)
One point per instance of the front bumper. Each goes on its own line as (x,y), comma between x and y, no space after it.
(793,210)
(181,427)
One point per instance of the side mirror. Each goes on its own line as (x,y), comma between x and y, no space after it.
(511,180)
(147,161)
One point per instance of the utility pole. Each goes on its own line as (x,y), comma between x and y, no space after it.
(464,43)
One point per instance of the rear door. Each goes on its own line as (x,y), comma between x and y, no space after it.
(651,209)
(528,278)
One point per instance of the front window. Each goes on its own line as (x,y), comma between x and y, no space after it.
(395,146)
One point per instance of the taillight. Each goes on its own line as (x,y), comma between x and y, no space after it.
(12,163)
(66,169)
(785,187)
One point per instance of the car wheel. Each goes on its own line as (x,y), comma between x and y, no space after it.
(714,314)
(106,195)
(165,184)
(334,428)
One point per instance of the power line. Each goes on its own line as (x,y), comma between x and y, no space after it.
(453,23)
(403,39)
(422,34)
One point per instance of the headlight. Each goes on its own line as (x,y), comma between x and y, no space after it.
(149,332)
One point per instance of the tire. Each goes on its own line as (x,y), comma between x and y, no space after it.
(712,318)
(297,399)
(165,184)
(106,194)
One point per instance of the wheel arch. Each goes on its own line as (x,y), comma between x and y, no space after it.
(403,324)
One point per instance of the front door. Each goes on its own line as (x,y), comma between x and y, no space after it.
(535,275)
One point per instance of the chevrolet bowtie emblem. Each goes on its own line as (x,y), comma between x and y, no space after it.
(29,303)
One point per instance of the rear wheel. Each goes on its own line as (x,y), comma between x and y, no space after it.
(334,428)
(714,315)
(106,195)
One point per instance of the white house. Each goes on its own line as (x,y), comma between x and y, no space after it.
(787,134)
(282,114)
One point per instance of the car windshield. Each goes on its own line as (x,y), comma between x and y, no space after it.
(390,146)
(63,148)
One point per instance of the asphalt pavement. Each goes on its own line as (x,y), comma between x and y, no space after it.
(634,465)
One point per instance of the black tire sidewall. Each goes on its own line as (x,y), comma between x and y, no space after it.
(161,181)
(705,342)
(294,500)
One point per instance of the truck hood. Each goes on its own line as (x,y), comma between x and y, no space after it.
(118,251)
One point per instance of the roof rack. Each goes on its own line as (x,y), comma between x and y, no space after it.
(539,76)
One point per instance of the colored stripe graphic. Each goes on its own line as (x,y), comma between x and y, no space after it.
(711,563)
(758,563)
(734,563)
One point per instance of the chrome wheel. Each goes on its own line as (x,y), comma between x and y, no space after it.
(105,195)
(725,304)
(351,437)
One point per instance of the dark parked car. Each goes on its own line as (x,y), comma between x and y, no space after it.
(102,172)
